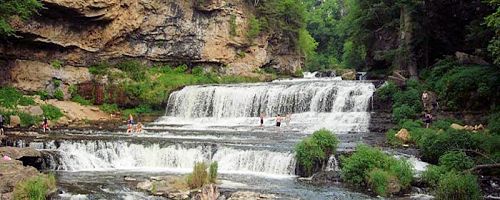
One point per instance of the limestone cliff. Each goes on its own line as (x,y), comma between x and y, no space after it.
(84,32)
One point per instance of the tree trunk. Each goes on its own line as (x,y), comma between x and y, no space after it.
(407,51)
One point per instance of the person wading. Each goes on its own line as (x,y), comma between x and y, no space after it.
(262,119)
(1,125)
(278,120)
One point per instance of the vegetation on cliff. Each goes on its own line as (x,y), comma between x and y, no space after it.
(21,9)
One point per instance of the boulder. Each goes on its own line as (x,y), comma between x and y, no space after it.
(467,59)
(349,75)
(15,121)
(13,172)
(35,110)
(208,192)
(457,126)
(146,185)
(403,135)
(20,153)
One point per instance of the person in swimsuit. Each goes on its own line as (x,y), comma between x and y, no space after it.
(262,119)
(138,128)
(427,120)
(278,121)
(45,124)
(130,124)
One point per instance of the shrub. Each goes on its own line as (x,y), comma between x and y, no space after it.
(433,174)
(197,71)
(254,28)
(28,120)
(99,69)
(379,180)
(411,124)
(418,133)
(11,98)
(51,112)
(356,168)
(391,138)
(387,91)
(57,64)
(494,123)
(403,112)
(442,124)
(36,188)
(212,175)
(134,69)
(199,176)
(315,149)
(79,99)
(232,25)
(454,185)
(44,95)
(433,146)
(456,160)
(180,69)
(59,95)
(109,108)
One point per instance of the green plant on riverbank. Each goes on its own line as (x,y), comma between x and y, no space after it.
(11,98)
(36,188)
(315,149)
(199,177)
(51,112)
(458,186)
(358,170)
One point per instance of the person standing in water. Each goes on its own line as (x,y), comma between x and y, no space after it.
(130,123)
(262,119)
(45,124)
(278,120)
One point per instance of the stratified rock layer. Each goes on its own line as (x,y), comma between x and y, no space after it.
(84,32)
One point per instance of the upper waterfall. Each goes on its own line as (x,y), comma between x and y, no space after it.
(343,104)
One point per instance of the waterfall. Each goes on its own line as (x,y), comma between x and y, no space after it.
(104,155)
(338,105)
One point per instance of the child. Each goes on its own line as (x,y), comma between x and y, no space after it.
(130,123)
(138,128)
(45,124)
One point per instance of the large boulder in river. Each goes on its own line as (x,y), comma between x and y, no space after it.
(348,74)
(208,192)
(28,156)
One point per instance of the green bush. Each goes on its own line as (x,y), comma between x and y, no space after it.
(456,186)
(356,168)
(433,174)
(391,138)
(134,69)
(44,95)
(57,64)
(199,176)
(442,124)
(79,99)
(51,112)
(315,149)
(99,69)
(197,71)
(11,98)
(411,124)
(418,133)
(403,112)
(409,97)
(456,160)
(109,108)
(36,188)
(494,123)
(28,120)
(380,180)
(59,95)
(433,146)
(254,28)
(212,175)
(387,91)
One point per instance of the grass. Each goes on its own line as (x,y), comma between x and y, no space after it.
(51,112)
(11,98)
(199,177)
(36,188)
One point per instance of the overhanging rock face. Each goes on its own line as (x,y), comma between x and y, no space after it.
(83,32)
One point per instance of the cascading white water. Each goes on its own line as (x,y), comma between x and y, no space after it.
(100,155)
(337,105)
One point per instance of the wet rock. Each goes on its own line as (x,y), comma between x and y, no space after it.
(172,187)
(208,192)
(15,121)
(145,185)
(28,156)
(11,173)
(349,75)
(325,177)
(247,195)
(457,126)
(403,135)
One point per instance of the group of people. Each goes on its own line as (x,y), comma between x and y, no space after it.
(279,119)
(131,128)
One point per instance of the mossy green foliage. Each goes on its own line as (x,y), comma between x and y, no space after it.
(456,160)
(387,91)
(79,99)
(254,28)
(59,95)
(11,98)
(200,176)
(458,186)
(316,148)
(434,145)
(494,123)
(212,175)
(51,112)
(57,64)
(21,8)
(99,69)
(357,167)
(232,25)
(36,188)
